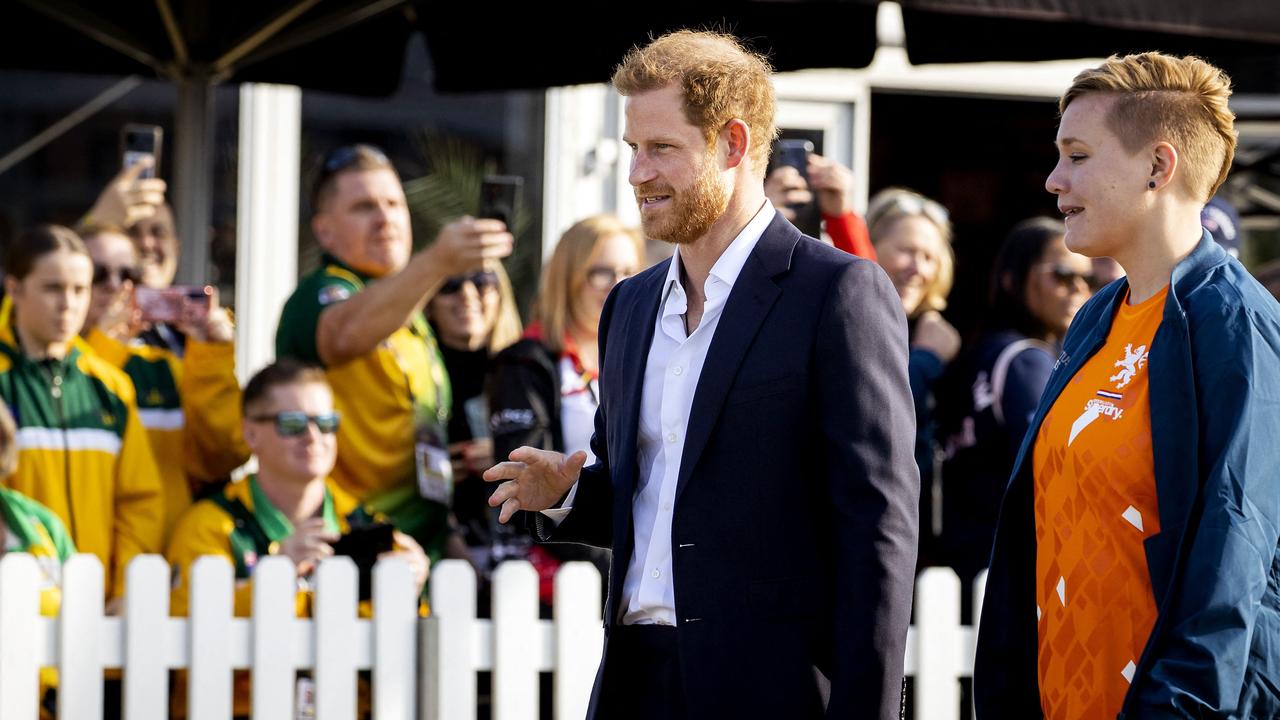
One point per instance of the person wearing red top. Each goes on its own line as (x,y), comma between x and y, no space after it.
(831,182)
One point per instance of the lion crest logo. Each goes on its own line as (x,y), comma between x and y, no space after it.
(1133,361)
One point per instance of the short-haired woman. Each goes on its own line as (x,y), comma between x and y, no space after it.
(1135,571)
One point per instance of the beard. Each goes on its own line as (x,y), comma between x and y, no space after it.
(692,211)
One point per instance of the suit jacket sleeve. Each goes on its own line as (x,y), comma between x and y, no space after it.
(868,425)
(591,520)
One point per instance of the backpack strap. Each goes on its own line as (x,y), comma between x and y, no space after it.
(1000,371)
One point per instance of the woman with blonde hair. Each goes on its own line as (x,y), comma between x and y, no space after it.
(911,235)
(1136,569)
(544,389)
(474,317)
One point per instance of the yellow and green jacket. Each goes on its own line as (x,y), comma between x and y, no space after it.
(190,407)
(382,397)
(82,451)
(241,525)
(34,529)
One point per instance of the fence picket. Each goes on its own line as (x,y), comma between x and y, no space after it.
(275,583)
(517,641)
(209,630)
(579,638)
(79,639)
(20,635)
(449,687)
(146,611)
(395,641)
(937,687)
(334,626)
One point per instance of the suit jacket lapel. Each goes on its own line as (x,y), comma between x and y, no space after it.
(754,292)
(638,332)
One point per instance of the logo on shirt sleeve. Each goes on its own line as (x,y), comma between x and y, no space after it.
(333,293)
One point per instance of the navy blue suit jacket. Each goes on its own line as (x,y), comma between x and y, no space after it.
(795,523)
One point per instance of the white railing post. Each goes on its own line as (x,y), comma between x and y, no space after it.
(939,660)
(334,627)
(209,686)
(146,639)
(20,637)
(517,641)
(79,639)
(275,586)
(579,638)
(448,660)
(395,641)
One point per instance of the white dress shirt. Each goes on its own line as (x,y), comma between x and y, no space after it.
(670,380)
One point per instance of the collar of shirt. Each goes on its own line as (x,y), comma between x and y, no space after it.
(725,271)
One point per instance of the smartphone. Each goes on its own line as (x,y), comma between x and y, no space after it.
(363,544)
(175,304)
(138,142)
(795,153)
(500,198)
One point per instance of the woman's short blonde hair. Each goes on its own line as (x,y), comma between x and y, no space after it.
(1178,100)
(566,272)
(889,206)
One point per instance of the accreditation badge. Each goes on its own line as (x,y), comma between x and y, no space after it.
(431,455)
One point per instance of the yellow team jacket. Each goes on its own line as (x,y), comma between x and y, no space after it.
(82,451)
(190,407)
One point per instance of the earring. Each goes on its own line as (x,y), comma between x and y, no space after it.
(1152,184)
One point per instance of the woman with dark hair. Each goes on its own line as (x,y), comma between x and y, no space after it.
(991,392)
(82,450)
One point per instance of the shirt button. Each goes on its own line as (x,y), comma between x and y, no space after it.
(666,507)
(678,370)
(656,574)
(671,437)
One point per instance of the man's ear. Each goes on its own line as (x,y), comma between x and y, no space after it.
(250,432)
(737,138)
(321,228)
(1164,165)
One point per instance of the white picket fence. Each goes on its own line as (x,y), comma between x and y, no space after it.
(420,668)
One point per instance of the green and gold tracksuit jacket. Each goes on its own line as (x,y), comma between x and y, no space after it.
(190,406)
(82,451)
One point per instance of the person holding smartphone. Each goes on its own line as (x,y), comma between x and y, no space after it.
(188,404)
(289,507)
(82,449)
(360,317)
(1136,569)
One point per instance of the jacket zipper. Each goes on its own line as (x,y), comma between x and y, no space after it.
(56,392)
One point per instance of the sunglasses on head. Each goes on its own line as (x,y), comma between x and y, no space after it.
(293,424)
(1067,276)
(103,273)
(342,158)
(483,281)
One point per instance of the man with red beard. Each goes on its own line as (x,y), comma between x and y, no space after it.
(755,476)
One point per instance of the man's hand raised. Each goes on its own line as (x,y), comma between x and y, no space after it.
(535,480)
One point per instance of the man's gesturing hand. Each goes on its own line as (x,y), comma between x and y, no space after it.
(535,480)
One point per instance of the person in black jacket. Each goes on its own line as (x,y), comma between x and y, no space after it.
(474,316)
(991,391)
(544,389)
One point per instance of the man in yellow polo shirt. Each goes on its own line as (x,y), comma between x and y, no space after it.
(360,316)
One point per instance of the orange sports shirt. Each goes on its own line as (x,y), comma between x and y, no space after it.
(1095,503)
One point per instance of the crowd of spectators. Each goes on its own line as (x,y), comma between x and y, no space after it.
(401,376)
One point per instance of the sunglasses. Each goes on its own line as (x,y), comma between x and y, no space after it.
(603,278)
(293,424)
(102,274)
(909,203)
(483,281)
(1068,277)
